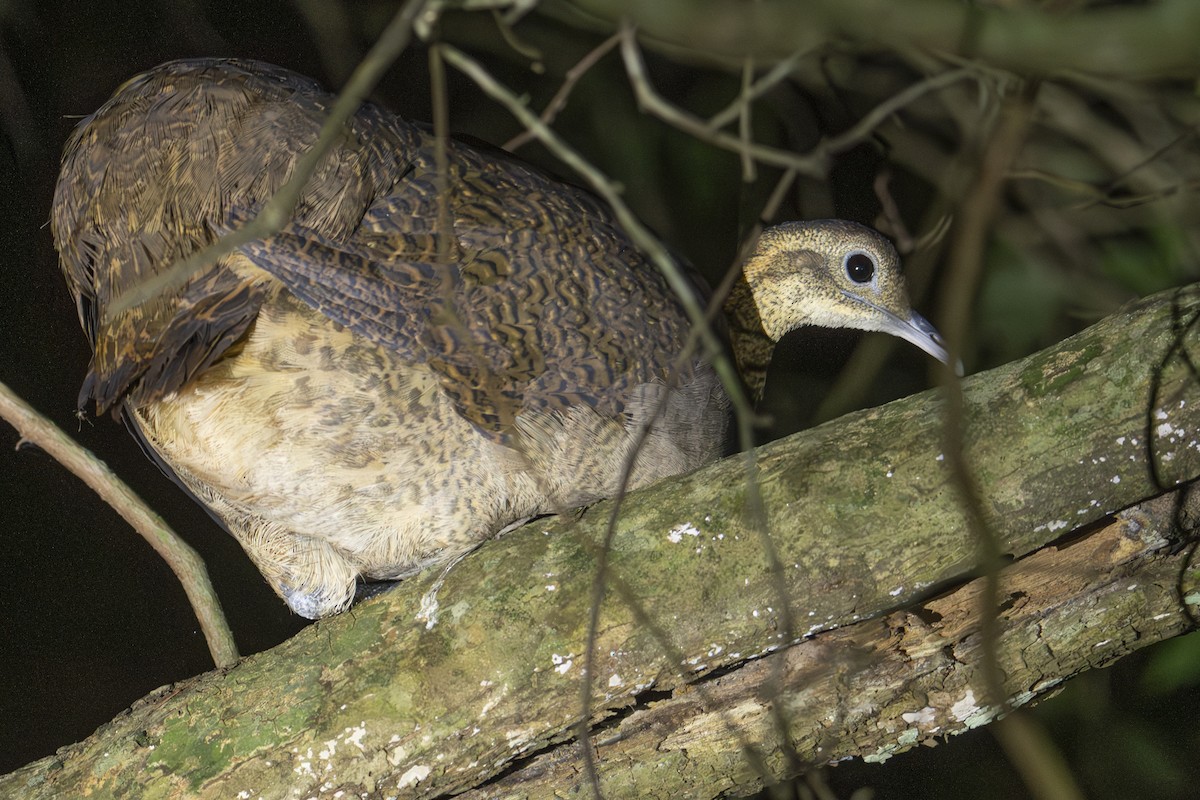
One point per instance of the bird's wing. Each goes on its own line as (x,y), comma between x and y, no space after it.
(517,291)
(537,301)
(155,175)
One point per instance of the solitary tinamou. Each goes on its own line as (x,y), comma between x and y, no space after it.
(356,397)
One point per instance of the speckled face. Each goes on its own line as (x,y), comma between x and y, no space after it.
(835,274)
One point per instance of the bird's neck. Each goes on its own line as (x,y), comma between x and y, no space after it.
(752,347)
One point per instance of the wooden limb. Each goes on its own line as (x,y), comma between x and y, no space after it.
(880,687)
(1138,41)
(865,519)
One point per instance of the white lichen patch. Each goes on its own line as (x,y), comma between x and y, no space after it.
(562,663)
(413,775)
(489,705)
(676,534)
(925,716)
(965,708)
(1168,431)
(1045,684)
(1116,478)
(355,735)
(1053,526)
(897,591)
(519,738)
(614,681)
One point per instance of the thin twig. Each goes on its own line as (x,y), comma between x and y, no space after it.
(640,235)
(277,212)
(649,100)
(559,101)
(1042,767)
(813,164)
(180,557)
(745,131)
(776,75)
(861,130)
(755,509)
(658,254)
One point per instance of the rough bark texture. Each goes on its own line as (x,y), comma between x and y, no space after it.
(866,522)
(878,687)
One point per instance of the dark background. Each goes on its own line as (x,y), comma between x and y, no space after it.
(92,619)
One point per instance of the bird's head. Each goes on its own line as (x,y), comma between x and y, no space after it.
(834,274)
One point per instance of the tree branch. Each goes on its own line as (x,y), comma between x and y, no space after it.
(184,561)
(1130,41)
(865,519)
(907,677)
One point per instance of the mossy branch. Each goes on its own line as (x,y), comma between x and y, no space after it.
(865,518)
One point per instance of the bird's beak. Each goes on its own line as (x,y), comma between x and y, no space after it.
(916,330)
(920,331)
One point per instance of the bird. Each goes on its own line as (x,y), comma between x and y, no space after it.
(400,372)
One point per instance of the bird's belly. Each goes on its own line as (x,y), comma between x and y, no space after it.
(330,457)
(339,442)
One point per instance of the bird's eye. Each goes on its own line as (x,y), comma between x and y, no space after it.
(860,267)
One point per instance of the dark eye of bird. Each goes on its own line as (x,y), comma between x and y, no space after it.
(860,268)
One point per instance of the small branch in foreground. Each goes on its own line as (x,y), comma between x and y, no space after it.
(650,101)
(180,557)
(559,101)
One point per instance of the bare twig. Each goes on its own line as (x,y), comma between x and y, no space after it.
(814,164)
(649,100)
(862,129)
(1143,40)
(1041,767)
(745,132)
(640,235)
(180,557)
(559,101)
(777,74)
(701,330)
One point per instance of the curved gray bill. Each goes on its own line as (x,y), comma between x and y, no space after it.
(916,329)
(920,331)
